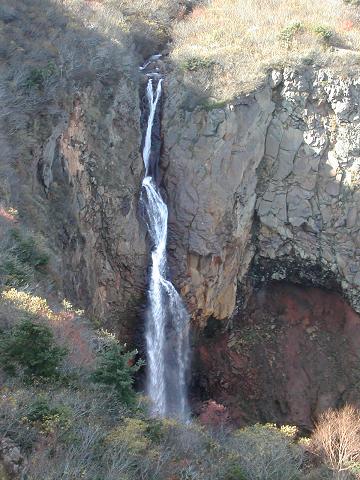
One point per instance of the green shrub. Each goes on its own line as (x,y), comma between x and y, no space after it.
(117,368)
(209,105)
(48,418)
(14,273)
(22,258)
(324,33)
(196,63)
(27,251)
(155,430)
(38,76)
(287,35)
(30,347)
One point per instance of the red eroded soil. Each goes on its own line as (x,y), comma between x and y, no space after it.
(293,353)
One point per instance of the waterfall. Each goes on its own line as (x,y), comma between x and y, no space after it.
(167,321)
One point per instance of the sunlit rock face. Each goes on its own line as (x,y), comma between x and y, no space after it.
(309,182)
(210,162)
(270,183)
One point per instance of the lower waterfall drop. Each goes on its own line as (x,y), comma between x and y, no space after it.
(167,321)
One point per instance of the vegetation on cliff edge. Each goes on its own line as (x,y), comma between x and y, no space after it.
(227,46)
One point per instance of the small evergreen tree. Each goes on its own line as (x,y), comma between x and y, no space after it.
(116,368)
(31,347)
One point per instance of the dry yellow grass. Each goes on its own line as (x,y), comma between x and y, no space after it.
(229,44)
(113,17)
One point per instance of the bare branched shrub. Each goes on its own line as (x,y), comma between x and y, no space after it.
(267,453)
(336,439)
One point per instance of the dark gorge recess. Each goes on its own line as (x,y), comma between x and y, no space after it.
(290,354)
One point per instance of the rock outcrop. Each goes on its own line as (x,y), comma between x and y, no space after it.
(268,184)
(267,189)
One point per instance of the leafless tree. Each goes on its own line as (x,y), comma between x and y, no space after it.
(336,439)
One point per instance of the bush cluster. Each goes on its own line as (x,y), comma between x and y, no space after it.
(196,63)
(30,347)
(116,369)
(48,418)
(100,429)
(21,259)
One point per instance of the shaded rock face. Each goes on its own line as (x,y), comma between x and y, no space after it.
(291,354)
(83,194)
(100,175)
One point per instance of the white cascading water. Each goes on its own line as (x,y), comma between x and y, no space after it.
(167,321)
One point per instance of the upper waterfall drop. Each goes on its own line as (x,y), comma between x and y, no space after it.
(167,321)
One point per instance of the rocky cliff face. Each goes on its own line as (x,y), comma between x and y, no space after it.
(309,183)
(82,194)
(262,190)
(99,171)
(272,180)
(268,189)
(210,162)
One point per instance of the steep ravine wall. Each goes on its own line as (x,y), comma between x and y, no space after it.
(210,161)
(272,179)
(267,189)
(262,191)
(82,194)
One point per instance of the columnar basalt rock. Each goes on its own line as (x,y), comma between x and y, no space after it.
(269,183)
(210,161)
(267,189)
(309,186)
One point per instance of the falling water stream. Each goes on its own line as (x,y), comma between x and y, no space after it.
(167,321)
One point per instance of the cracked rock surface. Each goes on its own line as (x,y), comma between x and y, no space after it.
(268,185)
